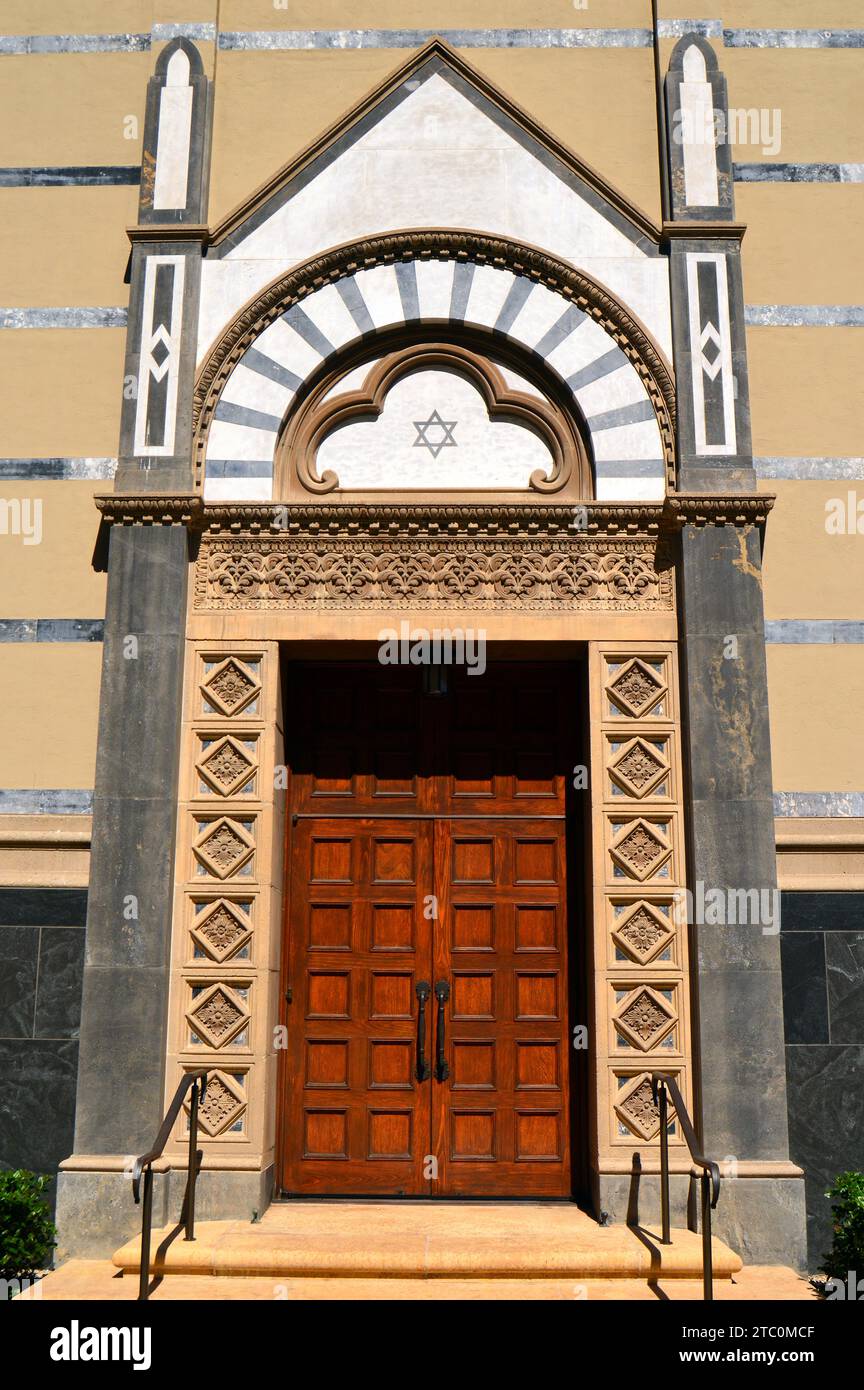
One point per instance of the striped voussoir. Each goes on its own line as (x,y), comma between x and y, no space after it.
(605,386)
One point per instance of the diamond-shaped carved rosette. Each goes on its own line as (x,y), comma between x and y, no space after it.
(221,929)
(636,687)
(223,1104)
(640,850)
(217,1015)
(642,932)
(226,766)
(635,1106)
(644,1018)
(230,686)
(223,847)
(639,767)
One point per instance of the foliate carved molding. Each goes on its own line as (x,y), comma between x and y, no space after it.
(590,518)
(223,1104)
(221,929)
(150,509)
(223,847)
(606,556)
(639,767)
(217,1016)
(644,1007)
(642,932)
(230,686)
(225,840)
(226,766)
(621,573)
(638,1109)
(636,688)
(436,244)
(640,849)
(435,519)
(644,1018)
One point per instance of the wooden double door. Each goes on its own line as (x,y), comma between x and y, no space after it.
(427,988)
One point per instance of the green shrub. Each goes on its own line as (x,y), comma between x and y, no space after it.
(847,1252)
(27,1233)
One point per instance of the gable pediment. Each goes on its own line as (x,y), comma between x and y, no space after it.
(435,146)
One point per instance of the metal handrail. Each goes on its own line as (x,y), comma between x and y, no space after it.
(197,1080)
(662,1087)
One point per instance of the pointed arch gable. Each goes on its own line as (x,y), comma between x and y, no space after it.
(435,145)
(517,126)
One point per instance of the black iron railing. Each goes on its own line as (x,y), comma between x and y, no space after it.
(665,1088)
(197,1081)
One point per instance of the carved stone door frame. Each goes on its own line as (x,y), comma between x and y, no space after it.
(264,575)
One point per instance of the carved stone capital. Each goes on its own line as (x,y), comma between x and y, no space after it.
(719,509)
(150,509)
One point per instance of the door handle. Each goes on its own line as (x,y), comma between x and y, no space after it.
(442,994)
(423,1070)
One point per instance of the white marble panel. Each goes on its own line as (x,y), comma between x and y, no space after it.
(585,344)
(238,489)
(631,489)
(227,441)
(489,289)
(175,132)
(540,311)
(245,387)
(694,130)
(520,383)
(327,310)
(436,160)
(284,344)
(640,441)
(622,387)
(389,452)
(642,286)
(226,286)
(351,381)
(380,290)
(434,288)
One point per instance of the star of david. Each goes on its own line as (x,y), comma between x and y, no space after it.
(443,439)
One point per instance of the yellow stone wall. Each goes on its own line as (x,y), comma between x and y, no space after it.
(61,388)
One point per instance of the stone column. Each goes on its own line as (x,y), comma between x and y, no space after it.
(738,1013)
(120,1097)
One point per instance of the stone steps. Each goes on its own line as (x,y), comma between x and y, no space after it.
(357,1240)
(100,1281)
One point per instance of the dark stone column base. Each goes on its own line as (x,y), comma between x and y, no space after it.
(761,1218)
(764,1219)
(96,1213)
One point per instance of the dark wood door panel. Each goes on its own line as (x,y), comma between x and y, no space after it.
(357,1119)
(359,740)
(428,845)
(500,1120)
(501,742)
(364,737)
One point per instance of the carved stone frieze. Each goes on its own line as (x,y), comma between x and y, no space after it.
(620,573)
